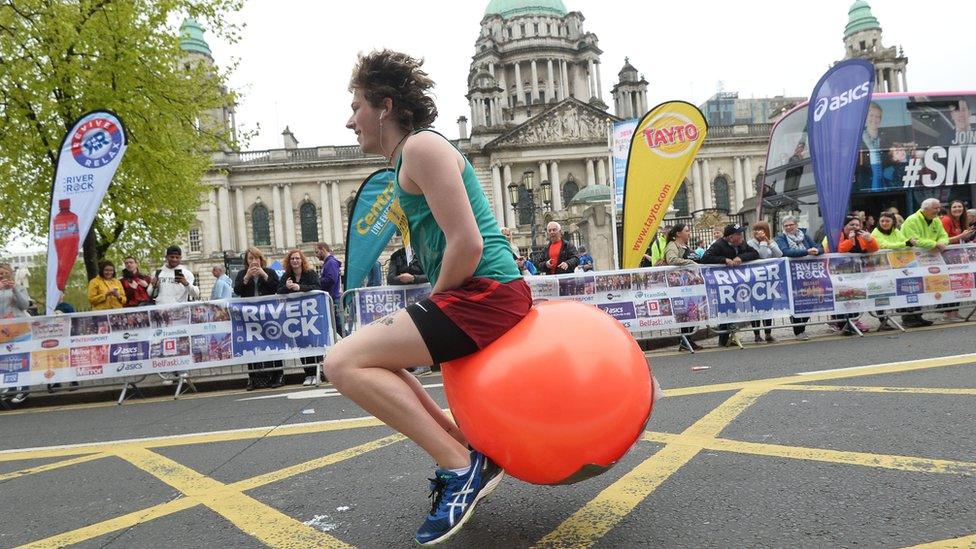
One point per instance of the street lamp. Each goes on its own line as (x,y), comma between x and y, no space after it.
(514,192)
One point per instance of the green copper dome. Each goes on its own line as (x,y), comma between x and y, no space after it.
(592,193)
(512,8)
(860,18)
(191,37)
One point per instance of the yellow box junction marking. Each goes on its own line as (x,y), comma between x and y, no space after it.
(582,529)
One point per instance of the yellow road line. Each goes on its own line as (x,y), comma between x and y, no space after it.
(590,523)
(50,466)
(113,525)
(888,368)
(956,543)
(196,438)
(161,510)
(869,389)
(882,461)
(267,524)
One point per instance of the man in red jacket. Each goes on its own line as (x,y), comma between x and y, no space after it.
(134,283)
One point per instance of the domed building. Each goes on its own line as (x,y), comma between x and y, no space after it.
(537,135)
(862,40)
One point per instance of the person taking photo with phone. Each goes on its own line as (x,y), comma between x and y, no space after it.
(172,283)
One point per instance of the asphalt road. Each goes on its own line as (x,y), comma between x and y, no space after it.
(874,448)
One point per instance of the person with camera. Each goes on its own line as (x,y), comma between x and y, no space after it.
(172,283)
(853,239)
(135,284)
(256,279)
(767,249)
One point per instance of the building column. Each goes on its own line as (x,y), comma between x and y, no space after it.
(696,186)
(506,181)
(535,83)
(491,68)
(502,83)
(565,73)
(337,234)
(590,176)
(739,189)
(601,171)
(599,82)
(749,177)
(707,184)
(498,195)
(279,236)
(241,228)
(591,79)
(557,187)
(324,213)
(519,92)
(289,217)
(223,204)
(213,233)
(543,172)
(550,83)
(904,80)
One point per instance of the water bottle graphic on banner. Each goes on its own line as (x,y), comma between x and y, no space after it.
(66,240)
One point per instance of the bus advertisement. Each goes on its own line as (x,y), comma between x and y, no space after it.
(914,146)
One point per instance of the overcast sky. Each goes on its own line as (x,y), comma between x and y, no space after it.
(295,56)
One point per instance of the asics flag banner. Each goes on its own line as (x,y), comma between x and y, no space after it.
(835,123)
(662,148)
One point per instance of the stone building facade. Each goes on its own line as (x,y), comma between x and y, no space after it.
(537,114)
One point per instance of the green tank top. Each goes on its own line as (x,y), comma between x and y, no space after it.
(428,241)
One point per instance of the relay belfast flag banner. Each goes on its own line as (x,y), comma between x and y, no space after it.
(662,147)
(163,338)
(371,225)
(835,125)
(90,153)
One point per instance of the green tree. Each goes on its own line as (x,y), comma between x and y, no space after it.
(75,291)
(62,58)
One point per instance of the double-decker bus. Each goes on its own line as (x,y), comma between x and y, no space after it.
(914,146)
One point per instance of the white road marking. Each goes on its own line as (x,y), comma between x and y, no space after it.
(315,393)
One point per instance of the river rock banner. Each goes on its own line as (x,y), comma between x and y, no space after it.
(148,340)
(660,298)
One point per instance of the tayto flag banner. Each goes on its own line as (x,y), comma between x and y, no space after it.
(835,122)
(661,150)
(90,154)
(371,225)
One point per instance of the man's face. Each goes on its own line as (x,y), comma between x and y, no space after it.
(789,227)
(320,253)
(960,117)
(172,260)
(216,272)
(874,120)
(130,265)
(930,211)
(554,234)
(734,239)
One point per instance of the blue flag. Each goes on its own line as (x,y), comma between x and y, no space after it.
(370,227)
(835,121)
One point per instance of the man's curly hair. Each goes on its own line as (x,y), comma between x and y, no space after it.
(396,75)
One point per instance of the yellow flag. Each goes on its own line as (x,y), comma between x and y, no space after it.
(661,150)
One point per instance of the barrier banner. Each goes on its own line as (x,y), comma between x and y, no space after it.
(662,147)
(90,153)
(371,226)
(660,298)
(740,293)
(146,340)
(835,126)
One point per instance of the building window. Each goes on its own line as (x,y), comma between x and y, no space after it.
(569,191)
(721,186)
(509,29)
(310,226)
(681,200)
(259,223)
(193,240)
(522,30)
(536,27)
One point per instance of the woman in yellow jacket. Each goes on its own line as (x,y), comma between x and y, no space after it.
(105,291)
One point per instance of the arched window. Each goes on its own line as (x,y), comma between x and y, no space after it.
(524,206)
(570,188)
(681,200)
(721,186)
(259,223)
(310,226)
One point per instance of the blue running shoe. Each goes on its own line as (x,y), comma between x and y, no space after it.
(455,496)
